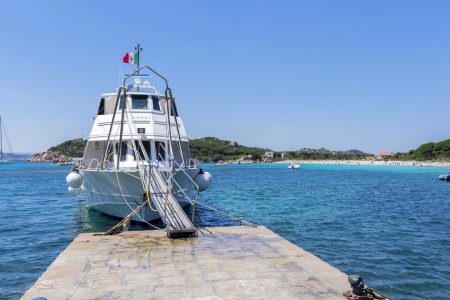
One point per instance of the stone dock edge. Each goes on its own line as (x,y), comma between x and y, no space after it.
(236,262)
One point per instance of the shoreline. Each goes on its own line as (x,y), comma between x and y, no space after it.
(367,163)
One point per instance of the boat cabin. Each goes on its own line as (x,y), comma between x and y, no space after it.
(145,119)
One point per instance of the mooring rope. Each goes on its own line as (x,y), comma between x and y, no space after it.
(140,164)
(132,210)
(239,219)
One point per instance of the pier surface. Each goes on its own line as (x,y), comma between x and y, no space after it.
(222,263)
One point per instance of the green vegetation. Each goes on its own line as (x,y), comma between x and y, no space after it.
(213,149)
(428,151)
(325,154)
(70,148)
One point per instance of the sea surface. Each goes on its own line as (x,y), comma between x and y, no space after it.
(390,224)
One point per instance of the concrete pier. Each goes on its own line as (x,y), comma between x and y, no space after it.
(222,263)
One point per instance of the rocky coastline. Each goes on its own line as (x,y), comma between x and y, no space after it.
(50,157)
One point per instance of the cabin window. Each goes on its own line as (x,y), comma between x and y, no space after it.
(147,150)
(101,107)
(123,152)
(121,103)
(155,102)
(173,110)
(160,151)
(110,105)
(139,102)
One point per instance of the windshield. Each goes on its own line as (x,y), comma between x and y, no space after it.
(139,102)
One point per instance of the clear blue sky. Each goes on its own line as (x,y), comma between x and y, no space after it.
(371,75)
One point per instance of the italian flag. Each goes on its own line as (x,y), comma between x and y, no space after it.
(131,58)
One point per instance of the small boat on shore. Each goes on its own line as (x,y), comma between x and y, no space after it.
(221,163)
(294,166)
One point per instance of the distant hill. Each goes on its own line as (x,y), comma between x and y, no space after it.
(214,149)
(63,152)
(323,154)
(209,149)
(16,156)
(71,148)
(428,151)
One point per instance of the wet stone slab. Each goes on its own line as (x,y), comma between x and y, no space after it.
(224,263)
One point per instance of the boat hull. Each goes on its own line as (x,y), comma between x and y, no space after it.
(118,193)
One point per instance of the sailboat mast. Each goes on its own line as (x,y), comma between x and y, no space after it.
(1,139)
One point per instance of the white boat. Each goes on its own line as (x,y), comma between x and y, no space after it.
(221,163)
(67,163)
(137,159)
(294,166)
(4,136)
(444,177)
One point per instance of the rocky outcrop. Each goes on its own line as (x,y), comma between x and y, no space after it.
(233,143)
(50,156)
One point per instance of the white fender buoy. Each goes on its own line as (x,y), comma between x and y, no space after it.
(203,180)
(74,180)
(74,191)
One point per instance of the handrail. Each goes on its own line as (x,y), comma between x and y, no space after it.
(166,204)
(122,119)
(169,99)
(193,182)
(141,166)
(153,179)
(178,185)
(169,109)
(173,213)
(168,92)
(119,92)
(185,173)
(144,67)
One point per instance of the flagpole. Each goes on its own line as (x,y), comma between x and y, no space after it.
(138,49)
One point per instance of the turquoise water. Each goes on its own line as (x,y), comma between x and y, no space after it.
(389,224)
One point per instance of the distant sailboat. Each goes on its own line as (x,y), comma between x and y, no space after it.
(8,143)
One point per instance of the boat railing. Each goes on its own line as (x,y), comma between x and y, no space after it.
(192,163)
(170,105)
(145,172)
(172,177)
(174,166)
(180,168)
(120,93)
(132,74)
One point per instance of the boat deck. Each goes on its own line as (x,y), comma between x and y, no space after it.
(221,263)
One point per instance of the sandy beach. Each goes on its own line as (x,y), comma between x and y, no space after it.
(367,163)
